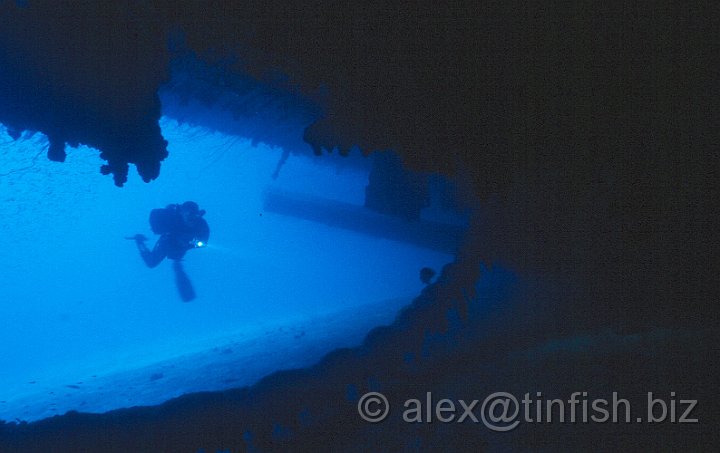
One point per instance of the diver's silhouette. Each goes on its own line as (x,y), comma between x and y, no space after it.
(181,228)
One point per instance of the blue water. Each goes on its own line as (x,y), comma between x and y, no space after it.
(77,301)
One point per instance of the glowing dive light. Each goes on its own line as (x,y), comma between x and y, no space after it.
(197,243)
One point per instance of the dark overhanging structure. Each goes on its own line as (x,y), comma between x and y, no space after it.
(586,135)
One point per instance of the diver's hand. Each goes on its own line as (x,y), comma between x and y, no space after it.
(137,238)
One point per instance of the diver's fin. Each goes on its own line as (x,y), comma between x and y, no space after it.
(184,286)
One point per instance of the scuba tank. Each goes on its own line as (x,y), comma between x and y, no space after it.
(164,220)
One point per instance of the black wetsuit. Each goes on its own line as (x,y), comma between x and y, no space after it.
(177,235)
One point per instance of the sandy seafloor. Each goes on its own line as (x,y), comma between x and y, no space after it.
(222,363)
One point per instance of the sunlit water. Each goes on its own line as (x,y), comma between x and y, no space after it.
(77,301)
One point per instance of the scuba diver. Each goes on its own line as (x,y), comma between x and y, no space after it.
(181,228)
